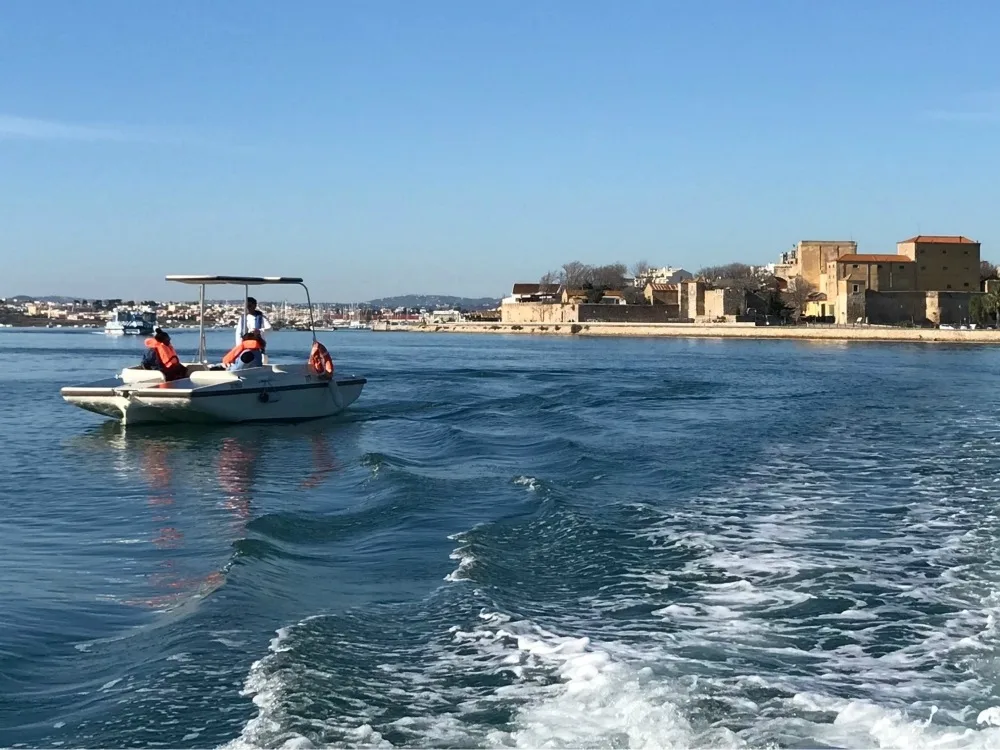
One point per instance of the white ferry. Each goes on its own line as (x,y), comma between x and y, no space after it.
(131,321)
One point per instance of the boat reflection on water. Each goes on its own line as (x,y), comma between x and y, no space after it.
(236,467)
(176,579)
(323,461)
(199,503)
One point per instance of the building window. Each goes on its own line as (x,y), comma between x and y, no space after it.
(966,283)
(949,286)
(902,268)
(879,266)
(923,268)
(855,288)
(944,268)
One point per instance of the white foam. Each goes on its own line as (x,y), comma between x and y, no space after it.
(863,724)
(990,717)
(465,562)
(529,482)
(465,559)
(598,699)
(266,690)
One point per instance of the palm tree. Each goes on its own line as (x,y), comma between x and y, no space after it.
(991,302)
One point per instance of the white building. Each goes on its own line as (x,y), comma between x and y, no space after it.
(444,316)
(665,275)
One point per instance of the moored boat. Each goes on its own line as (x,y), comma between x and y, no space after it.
(131,321)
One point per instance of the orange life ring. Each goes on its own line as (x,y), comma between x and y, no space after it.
(320,361)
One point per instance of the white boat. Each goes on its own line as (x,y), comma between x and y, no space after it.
(273,392)
(131,321)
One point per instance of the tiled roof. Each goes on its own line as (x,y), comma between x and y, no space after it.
(870,258)
(535,289)
(942,239)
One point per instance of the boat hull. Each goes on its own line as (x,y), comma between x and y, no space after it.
(234,400)
(128,331)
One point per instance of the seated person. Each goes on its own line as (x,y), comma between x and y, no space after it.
(160,355)
(246,354)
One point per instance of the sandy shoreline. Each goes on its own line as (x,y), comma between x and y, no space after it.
(730,330)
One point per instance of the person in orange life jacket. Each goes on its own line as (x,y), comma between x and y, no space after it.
(248,353)
(160,355)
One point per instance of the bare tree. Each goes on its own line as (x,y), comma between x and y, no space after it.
(727,271)
(576,275)
(550,278)
(987,271)
(798,295)
(732,275)
(640,269)
(611,276)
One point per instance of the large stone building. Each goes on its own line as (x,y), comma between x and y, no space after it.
(685,301)
(809,259)
(943,262)
(879,273)
(921,265)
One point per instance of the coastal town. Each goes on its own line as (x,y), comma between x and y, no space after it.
(76,313)
(930,281)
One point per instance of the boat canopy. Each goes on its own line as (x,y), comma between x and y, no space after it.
(239,280)
(243,281)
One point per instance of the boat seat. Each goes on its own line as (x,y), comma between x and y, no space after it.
(294,367)
(139,375)
(211,377)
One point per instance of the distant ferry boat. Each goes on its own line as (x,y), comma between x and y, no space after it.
(126,321)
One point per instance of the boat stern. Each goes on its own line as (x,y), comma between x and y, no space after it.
(349,389)
(111,397)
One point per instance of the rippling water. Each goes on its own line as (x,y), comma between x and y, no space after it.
(512,542)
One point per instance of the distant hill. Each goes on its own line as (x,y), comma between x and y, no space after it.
(435,302)
(416,301)
(20,299)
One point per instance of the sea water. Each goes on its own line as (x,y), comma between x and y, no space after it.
(511,541)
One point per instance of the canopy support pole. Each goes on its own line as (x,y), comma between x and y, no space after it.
(312,324)
(201,325)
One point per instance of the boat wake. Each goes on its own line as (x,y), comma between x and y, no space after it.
(770,615)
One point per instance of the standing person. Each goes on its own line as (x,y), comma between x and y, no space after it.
(160,355)
(252,320)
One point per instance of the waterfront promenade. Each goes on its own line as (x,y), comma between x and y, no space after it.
(724,330)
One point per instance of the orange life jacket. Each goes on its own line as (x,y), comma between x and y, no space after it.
(168,357)
(237,350)
(170,363)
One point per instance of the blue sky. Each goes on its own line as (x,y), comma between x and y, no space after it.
(385,147)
